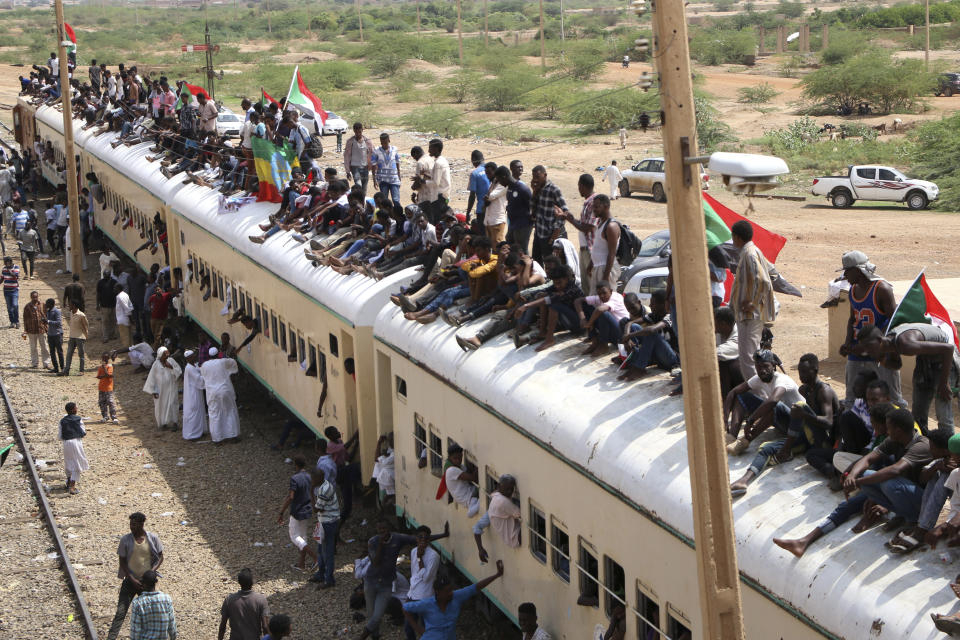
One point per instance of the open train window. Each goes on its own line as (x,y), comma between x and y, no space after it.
(436,453)
(420,440)
(648,615)
(292,354)
(401,387)
(589,570)
(538,533)
(560,551)
(491,479)
(615,585)
(273,327)
(283,336)
(312,365)
(301,347)
(334,346)
(220,286)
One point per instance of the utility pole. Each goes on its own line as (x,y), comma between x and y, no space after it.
(926,49)
(418,18)
(76,240)
(714,534)
(543,46)
(486,30)
(360,20)
(459,34)
(209,59)
(267,9)
(563,37)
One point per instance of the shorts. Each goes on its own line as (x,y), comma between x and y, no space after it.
(298,532)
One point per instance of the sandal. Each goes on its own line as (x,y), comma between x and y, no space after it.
(902,544)
(947,624)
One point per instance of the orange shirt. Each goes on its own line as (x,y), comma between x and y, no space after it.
(105,383)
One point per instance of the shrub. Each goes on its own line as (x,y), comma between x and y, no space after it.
(443,121)
(461,86)
(843,46)
(602,111)
(711,130)
(759,94)
(721,46)
(506,92)
(874,77)
(937,157)
(551,99)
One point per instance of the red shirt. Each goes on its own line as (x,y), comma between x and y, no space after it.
(160,305)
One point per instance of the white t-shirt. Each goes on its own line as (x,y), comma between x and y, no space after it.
(952,483)
(537,270)
(765,390)
(615,303)
(461,490)
(428,237)
(124,308)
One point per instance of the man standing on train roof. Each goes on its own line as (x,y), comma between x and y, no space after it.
(162,384)
(221,398)
(937,368)
(194,410)
(871,301)
(751,297)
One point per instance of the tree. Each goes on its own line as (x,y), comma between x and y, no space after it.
(722,46)
(602,111)
(937,156)
(461,85)
(549,101)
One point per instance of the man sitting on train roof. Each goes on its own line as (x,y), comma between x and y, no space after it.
(897,485)
(454,245)
(811,422)
(474,277)
(651,340)
(555,308)
(366,248)
(762,401)
(460,480)
(602,316)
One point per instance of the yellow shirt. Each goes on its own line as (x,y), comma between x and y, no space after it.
(139,560)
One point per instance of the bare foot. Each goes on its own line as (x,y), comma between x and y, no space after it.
(427,319)
(872,516)
(546,344)
(410,315)
(594,343)
(796,547)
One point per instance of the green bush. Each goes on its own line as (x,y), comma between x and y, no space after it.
(758,94)
(722,46)
(711,130)
(506,92)
(875,77)
(444,121)
(461,86)
(550,100)
(843,46)
(937,158)
(604,111)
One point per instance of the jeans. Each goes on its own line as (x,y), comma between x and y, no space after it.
(653,348)
(391,190)
(408,631)
(498,323)
(12,298)
(934,497)
(567,318)
(360,175)
(925,394)
(447,298)
(606,329)
(844,511)
(781,412)
(347,477)
(74,343)
(377,598)
(28,258)
(805,435)
(288,427)
(520,234)
(899,495)
(55,343)
(127,593)
(326,551)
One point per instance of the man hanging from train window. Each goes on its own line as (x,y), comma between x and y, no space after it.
(502,514)
(460,481)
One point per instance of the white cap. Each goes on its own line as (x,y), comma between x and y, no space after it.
(213,351)
(188,353)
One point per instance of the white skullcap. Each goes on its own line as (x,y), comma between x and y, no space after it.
(161,351)
(213,351)
(188,353)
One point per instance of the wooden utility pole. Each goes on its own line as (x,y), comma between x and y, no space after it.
(926,48)
(486,28)
(360,20)
(543,46)
(563,38)
(825,37)
(459,34)
(714,536)
(73,206)
(266,7)
(418,18)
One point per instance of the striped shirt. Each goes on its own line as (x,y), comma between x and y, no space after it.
(386,161)
(545,218)
(152,617)
(11,278)
(326,503)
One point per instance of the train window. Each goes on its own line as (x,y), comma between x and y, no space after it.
(648,616)
(401,387)
(614,583)
(677,630)
(490,482)
(249,303)
(183,239)
(312,368)
(436,453)
(334,346)
(273,326)
(589,570)
(258,311)
(283,336)
(419,439)
(560,551)
(220,286)
(538,533)
(301,348)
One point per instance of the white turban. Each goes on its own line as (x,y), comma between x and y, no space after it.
(213,351)
(162,351)
(188,353)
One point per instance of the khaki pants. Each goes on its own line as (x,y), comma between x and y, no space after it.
(108,321)
(596,278)
(41,339)
(497,233)
(125,334)
(156,326)
(748,341)
(586,271)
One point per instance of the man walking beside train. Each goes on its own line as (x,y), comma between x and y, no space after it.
(221,398)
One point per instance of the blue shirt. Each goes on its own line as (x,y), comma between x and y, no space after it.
(437,624)
(20,220)
(329,468)
(301,508)
(386,161)
(479,185)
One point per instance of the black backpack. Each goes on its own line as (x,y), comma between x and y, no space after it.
(628,246)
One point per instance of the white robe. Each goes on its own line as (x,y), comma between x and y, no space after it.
(194,411)
(613,176)
(74,459)
(141,355)
(221,398)
(163,382)
(6,185)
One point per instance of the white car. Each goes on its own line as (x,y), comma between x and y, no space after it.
(647,176)
(645,282)
(333,124)
(229,124)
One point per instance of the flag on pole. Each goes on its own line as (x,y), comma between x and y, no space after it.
(301,98)
(920,305)
(768,242)
(192,88)
(266,100)
(273,164)
(71,36)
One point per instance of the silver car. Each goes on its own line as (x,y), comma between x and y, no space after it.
(647,176)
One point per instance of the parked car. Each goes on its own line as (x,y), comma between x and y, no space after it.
(871,182)
(948,84)
(333,124)
(229,124)
(647,176)
(645,282)
(654,252)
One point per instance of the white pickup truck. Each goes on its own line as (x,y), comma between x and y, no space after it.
(870,182)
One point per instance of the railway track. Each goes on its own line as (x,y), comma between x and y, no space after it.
(33,598)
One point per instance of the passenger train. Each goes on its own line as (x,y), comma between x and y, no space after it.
(602,471)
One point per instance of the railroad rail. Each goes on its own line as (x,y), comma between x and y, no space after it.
(47,513)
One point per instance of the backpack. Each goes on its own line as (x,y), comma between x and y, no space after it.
(628,246)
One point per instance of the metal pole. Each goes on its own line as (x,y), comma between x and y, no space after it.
(563,37)
(926,49)
(209,59)
(76,241)
(459,34)
(543,47)
(709,476)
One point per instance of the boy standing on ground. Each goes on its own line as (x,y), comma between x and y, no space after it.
(105,390)
(74,459)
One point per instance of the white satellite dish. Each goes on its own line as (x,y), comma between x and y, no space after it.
(793,36)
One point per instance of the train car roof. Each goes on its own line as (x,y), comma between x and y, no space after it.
(357,299)
(629,438)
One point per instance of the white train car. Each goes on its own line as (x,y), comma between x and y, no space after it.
(604,489)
